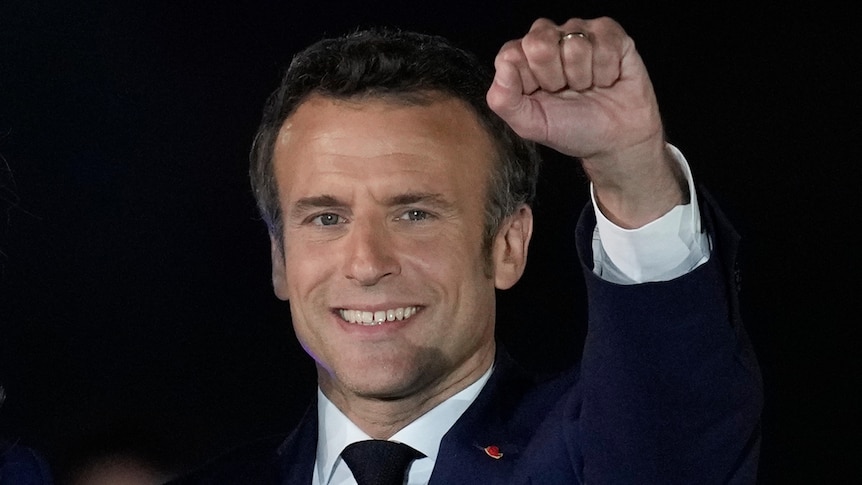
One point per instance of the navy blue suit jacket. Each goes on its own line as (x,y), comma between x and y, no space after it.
(668,391)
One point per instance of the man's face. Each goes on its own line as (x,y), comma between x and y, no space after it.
(383,208)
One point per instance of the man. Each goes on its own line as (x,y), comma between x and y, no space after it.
(398,202)
(21,465)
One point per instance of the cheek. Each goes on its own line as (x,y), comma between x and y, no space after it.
(451,260)
(306,266)
(428,252)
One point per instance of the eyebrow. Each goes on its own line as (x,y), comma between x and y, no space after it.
(409,198)
(306,204)
(329,201)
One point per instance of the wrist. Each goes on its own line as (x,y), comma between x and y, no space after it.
(639,186)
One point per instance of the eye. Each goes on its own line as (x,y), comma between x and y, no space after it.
(328,219)
(414,215)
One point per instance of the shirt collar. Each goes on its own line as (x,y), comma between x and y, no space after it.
(336,431)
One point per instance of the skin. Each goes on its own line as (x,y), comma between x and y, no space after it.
(384,209)
(367,165)
(591,98)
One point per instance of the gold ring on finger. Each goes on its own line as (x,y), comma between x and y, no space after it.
(572,35)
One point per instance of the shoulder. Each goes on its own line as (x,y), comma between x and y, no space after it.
(252,463)
(517,399)
(20,465)
(268,460)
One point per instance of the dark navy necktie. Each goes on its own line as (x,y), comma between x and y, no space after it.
(379,462)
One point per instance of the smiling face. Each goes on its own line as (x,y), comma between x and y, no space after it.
(383,207)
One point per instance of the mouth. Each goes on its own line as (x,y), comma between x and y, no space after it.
(379,317)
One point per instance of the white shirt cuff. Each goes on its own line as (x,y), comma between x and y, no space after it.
(664,249)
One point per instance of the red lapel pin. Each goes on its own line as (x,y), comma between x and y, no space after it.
(493,452)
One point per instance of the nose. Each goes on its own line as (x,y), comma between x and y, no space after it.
(370,254)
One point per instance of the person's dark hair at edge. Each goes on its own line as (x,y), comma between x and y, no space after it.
(399,67)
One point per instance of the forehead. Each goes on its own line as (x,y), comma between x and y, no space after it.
(329,140)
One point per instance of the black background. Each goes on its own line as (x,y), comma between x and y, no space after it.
(135,302)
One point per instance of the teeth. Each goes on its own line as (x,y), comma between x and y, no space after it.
(378,317)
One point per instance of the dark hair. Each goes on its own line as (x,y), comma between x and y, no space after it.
(403,67)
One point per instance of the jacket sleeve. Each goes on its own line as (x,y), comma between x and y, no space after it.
(671,388)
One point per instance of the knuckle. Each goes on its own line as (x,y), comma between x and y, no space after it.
(541,23)
(608,26)
(510,52)
(537,48)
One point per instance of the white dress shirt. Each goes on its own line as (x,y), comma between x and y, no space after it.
(336,431)
(664,249)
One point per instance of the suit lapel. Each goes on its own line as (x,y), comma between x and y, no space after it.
(485,443)
(298,453)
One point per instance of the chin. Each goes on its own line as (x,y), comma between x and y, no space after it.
(385,384)
(388,374)
(388,381)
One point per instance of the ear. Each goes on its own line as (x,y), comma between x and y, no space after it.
(279,278)
(510,247)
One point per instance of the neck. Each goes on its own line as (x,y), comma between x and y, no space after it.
(382,416)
